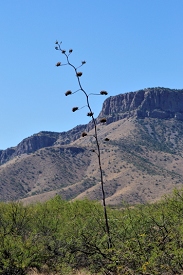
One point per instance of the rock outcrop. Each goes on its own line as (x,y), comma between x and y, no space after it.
(29,145)
(41,140)
(6,155)
(159,103)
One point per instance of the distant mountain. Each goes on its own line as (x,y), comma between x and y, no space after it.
(142,161)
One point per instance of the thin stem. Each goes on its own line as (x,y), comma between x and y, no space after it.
(98,148)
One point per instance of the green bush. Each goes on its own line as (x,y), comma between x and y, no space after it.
(66,236)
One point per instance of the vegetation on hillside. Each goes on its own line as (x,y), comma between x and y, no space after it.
(63,237)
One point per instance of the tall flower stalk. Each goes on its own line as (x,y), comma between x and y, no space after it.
(78,75)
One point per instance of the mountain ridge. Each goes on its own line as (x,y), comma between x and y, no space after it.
(142,160)
(149,102)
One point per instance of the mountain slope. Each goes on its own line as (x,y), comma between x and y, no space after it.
(142,160)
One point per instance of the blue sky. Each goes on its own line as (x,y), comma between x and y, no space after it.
(128,45)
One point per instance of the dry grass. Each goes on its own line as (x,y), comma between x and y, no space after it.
(130,175)
(46,272)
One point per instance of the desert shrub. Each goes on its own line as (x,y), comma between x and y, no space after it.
(66,236)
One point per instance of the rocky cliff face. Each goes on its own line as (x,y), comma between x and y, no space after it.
(6,155)
(29,145)
(160,103)
(41,140)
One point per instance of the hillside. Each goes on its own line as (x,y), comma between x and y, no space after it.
(142,161)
